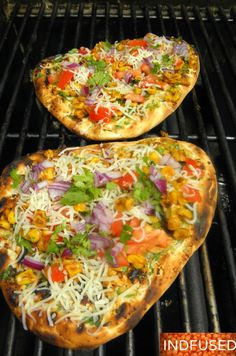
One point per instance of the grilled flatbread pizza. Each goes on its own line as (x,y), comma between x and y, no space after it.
(120,90)
(91,237)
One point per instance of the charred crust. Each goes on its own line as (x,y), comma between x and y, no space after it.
(150,295)
(133,320)
(43,293)
(51,339)
(80,329)
(201,226)
(136,274)
(2,203)
(3,259)
(13,298)
(120,311)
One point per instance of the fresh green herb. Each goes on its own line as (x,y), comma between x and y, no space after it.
(185,68)
(155,255)
(83,190)
(91,321)
(53,247)
(106,46)
(39,75)
(8,273)
(98,65)
(63,94)
(158,45)
(156,68)
(160,149)
(126,233)
(80,239)
(99,78)
(24,243)
(144,189)
(153,105)
(111,186)
(108,256)
(73,50)
(166,60)
(16,178)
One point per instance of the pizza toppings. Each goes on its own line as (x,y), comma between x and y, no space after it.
(90,221)
(113,85)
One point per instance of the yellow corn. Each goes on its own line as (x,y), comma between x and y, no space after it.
(137,90)
(129,203)
(182,234)
(48,173)
(153,219)
(186,213)
(154,157)
(145,169)
(26,277)
(49,154)
(33,235)
(138,261)
(120,47)
(11,217)
(168,172)
(95,160)
(4,224)
(151,90)
(79,105)
(148,228)
(80,207)
(72,267)
(173,222)
(39,218)
(42,243)
(124,203)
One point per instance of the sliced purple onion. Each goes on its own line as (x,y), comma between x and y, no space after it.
(148,208)
(90,101)
(148,61)
(128,77)
(70,65)
(66,252)
(102,217)
(84,91)
(117,249)
(33,263)
(98,242)
(57,189)
(159,182)
(40,185)
(168,160)
(78,226)
(100,179)
(25,186)
(181,49)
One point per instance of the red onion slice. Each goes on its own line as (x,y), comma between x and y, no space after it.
(57,189)
(78,226)
(98,242)
(33,263)
(66,252)
(102,217)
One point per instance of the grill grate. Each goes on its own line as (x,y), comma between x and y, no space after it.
(203,298)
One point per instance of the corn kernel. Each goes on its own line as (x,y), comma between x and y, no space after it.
(148,228)
(145,169)
(153,219)
(173,223)
(182,234)
(4,224)
(42,243)
(120,47)
(168,172)
(129,203)
(26,277)
(153,156)
(11,217)
(33,235)
(186,213)
(39,218)
(49,154)
(124,203)
(151,91)
(80,207)
(48,173)
(138,261)
(72,267)
(95,160)
(137,90)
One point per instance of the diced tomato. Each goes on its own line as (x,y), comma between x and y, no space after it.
(191,195)
(145,68)
(101,114)
(109,59)
(57,274)
(194,164)
(125,182)
(152,239)
(121,259)
(179,63)
(51,79)
(137,43)
(83,50)
(152,79)
(137,98)
(64,78)
(101,253)
(119,75)
(117,225)
(60,239)
(134,222)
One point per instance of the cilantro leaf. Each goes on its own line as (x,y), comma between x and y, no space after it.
(99,78)
(106,46)
(8,273)
(109,257)
(98,65)
(80,245)
(156,68)
(24,243)
(16,178)
(126,233)
(53,247)
(73,50)
(166,60)
(111,186)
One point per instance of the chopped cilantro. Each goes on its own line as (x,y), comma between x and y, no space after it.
(53,247)
(111,186)
(99,78)
(15,177)
(108,256)
(126,233)
(156,68)
(24,243)
(8,273)
(166,60)
(83,190)
(106,46)
(160,149)
(39,75)
(73,50)
(98,65)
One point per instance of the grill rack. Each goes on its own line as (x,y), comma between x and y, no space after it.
(203,298)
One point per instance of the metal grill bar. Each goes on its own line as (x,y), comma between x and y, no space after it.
(9,25)
(232,35)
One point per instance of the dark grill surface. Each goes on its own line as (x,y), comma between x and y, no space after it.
(203,297)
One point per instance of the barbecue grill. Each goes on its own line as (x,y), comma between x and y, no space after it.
(203,297)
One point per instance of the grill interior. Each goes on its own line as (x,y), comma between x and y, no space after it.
(203,297)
